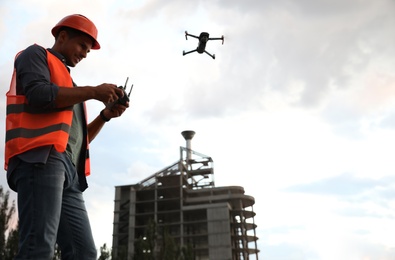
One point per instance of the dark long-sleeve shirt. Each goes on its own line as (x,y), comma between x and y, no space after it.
(33,77)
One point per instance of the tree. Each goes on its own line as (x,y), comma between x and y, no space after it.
(8,235)
(169,249)
(105,253)
(187,252)
(11,247)
(144,248)
(57,254)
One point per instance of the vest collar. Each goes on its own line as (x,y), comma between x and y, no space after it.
(59,56)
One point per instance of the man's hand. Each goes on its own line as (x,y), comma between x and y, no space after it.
(108,93)
(115,111)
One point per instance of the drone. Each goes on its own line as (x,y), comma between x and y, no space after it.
(203,39)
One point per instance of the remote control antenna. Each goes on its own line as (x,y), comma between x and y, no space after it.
(124,87)
(130,91)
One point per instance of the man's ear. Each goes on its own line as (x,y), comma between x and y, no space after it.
(62,36)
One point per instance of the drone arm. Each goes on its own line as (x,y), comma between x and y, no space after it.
(185,53)
(219,38)
(209,54)
(187,34)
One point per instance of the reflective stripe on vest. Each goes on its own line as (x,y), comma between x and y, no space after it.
(28,127)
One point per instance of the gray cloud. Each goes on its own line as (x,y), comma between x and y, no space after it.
(357,194)
(345,185)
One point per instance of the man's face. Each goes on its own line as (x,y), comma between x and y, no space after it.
(76,48)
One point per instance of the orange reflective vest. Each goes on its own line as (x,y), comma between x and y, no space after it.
(28,127)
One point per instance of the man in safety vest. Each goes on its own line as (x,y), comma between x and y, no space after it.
(47,142)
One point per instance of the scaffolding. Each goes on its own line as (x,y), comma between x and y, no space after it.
(180,206)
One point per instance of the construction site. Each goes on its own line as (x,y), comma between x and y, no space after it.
(179,213)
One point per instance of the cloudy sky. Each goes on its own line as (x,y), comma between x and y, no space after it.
(298,108)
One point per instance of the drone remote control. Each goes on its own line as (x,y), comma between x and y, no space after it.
(125,98)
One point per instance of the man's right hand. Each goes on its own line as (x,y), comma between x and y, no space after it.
(108,93)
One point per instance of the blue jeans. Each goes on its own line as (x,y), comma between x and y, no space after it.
(51,210)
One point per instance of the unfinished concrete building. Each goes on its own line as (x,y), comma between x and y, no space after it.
(180,207)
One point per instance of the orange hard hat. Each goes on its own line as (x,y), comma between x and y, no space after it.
(81,23)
